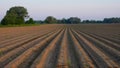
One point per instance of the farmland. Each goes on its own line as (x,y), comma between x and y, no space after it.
(60,46)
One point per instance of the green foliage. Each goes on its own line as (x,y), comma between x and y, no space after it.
(39,22)
(74,20)
(15,16)
(18,11)
(30,21)
(106,20)
(91,21)
(111,20)
(4,22)
(71,20)
(21,25)
(50,20)
(8,19)
(64,21)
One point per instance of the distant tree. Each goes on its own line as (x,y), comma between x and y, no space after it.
(74,20)
(39,22)
(50,20)
(64,21)
(15,15)
(85,21)
(91,21)
(111,20)
(59,22)
(30,21)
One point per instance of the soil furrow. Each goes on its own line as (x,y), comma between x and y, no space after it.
(41,61)
(107,42)
(16,52)
(111,52)
(83,56)
(97,56)
(12,46)
(63,59)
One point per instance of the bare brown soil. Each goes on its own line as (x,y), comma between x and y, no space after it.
(60,46)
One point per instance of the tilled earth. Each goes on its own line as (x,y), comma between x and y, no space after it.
(60,46)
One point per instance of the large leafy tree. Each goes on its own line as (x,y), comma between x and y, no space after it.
(15,15)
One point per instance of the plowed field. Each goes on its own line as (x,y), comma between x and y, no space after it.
(60,46)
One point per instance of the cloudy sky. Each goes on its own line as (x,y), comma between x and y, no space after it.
(85,9)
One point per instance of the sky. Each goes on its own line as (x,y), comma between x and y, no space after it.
(84,9)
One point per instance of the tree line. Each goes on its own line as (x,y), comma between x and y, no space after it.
(76,20)
(18,15)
